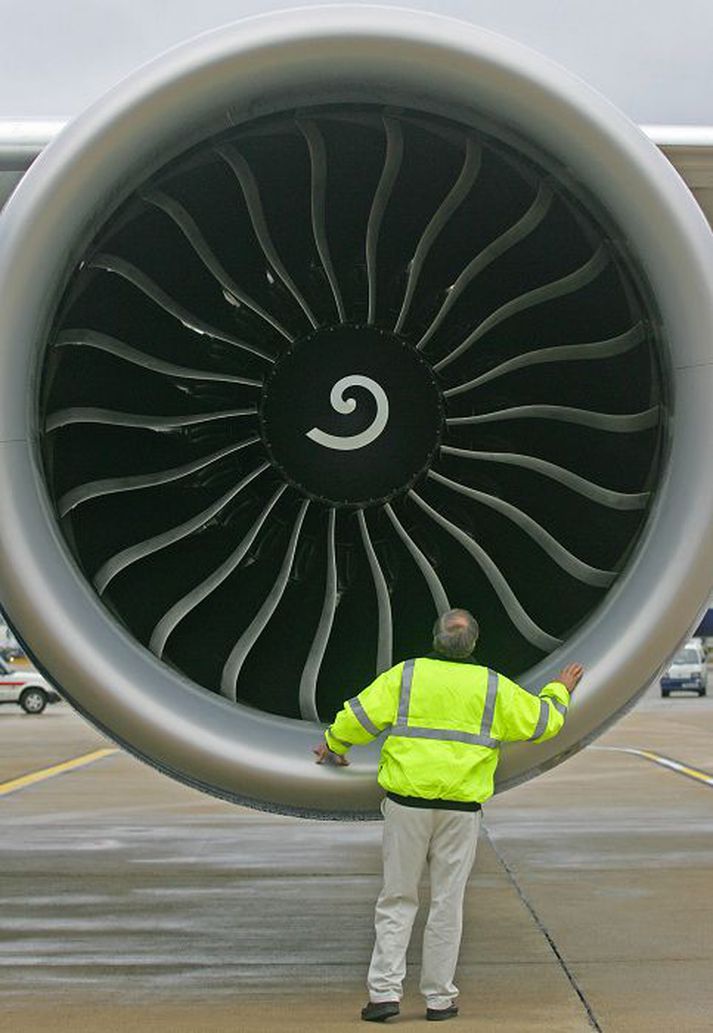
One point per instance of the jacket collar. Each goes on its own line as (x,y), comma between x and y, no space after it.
(449,660)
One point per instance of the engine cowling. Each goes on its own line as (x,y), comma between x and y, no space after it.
(314,327)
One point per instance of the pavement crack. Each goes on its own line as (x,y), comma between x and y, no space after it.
(594,1024)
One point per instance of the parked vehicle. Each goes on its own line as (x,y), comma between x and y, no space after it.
(13,655)
(28,688)
(687,672)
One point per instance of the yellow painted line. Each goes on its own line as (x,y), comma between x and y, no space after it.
(665,762)
(57,769)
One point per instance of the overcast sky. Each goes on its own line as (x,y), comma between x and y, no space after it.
(651,57)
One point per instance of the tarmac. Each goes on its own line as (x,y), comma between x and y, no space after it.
(130,902)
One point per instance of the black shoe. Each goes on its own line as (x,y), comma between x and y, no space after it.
(379,1012)
(441,1014)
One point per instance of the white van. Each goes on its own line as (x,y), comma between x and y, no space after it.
(687,672)
(28,688)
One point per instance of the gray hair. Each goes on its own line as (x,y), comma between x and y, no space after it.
(455,634)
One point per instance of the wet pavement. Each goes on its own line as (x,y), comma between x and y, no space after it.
(128,901)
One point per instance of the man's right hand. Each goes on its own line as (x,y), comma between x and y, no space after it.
(324,754)
(570,676)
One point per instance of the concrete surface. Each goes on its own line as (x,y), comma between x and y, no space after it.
(128,902)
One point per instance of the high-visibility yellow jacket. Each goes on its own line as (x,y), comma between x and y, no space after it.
(446,721)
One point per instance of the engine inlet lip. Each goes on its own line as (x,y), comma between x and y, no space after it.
(148,707)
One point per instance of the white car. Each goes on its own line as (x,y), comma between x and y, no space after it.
(28,688)
(687,672)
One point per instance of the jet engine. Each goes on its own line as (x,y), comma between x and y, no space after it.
(315,327)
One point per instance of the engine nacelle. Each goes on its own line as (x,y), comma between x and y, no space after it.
(314,327)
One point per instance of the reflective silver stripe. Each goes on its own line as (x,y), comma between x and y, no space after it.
(489,711)
(542,719)
(402,729)
(405,696)
(562,707)
(362,717)
(444,734)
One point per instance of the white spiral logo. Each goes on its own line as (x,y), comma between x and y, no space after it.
(346,405)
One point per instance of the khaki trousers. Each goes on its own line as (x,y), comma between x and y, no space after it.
(447,841)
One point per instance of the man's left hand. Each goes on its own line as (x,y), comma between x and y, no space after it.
(324,753)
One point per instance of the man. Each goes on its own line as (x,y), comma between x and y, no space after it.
(446,718)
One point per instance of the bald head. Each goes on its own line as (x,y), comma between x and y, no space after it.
(455,634)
